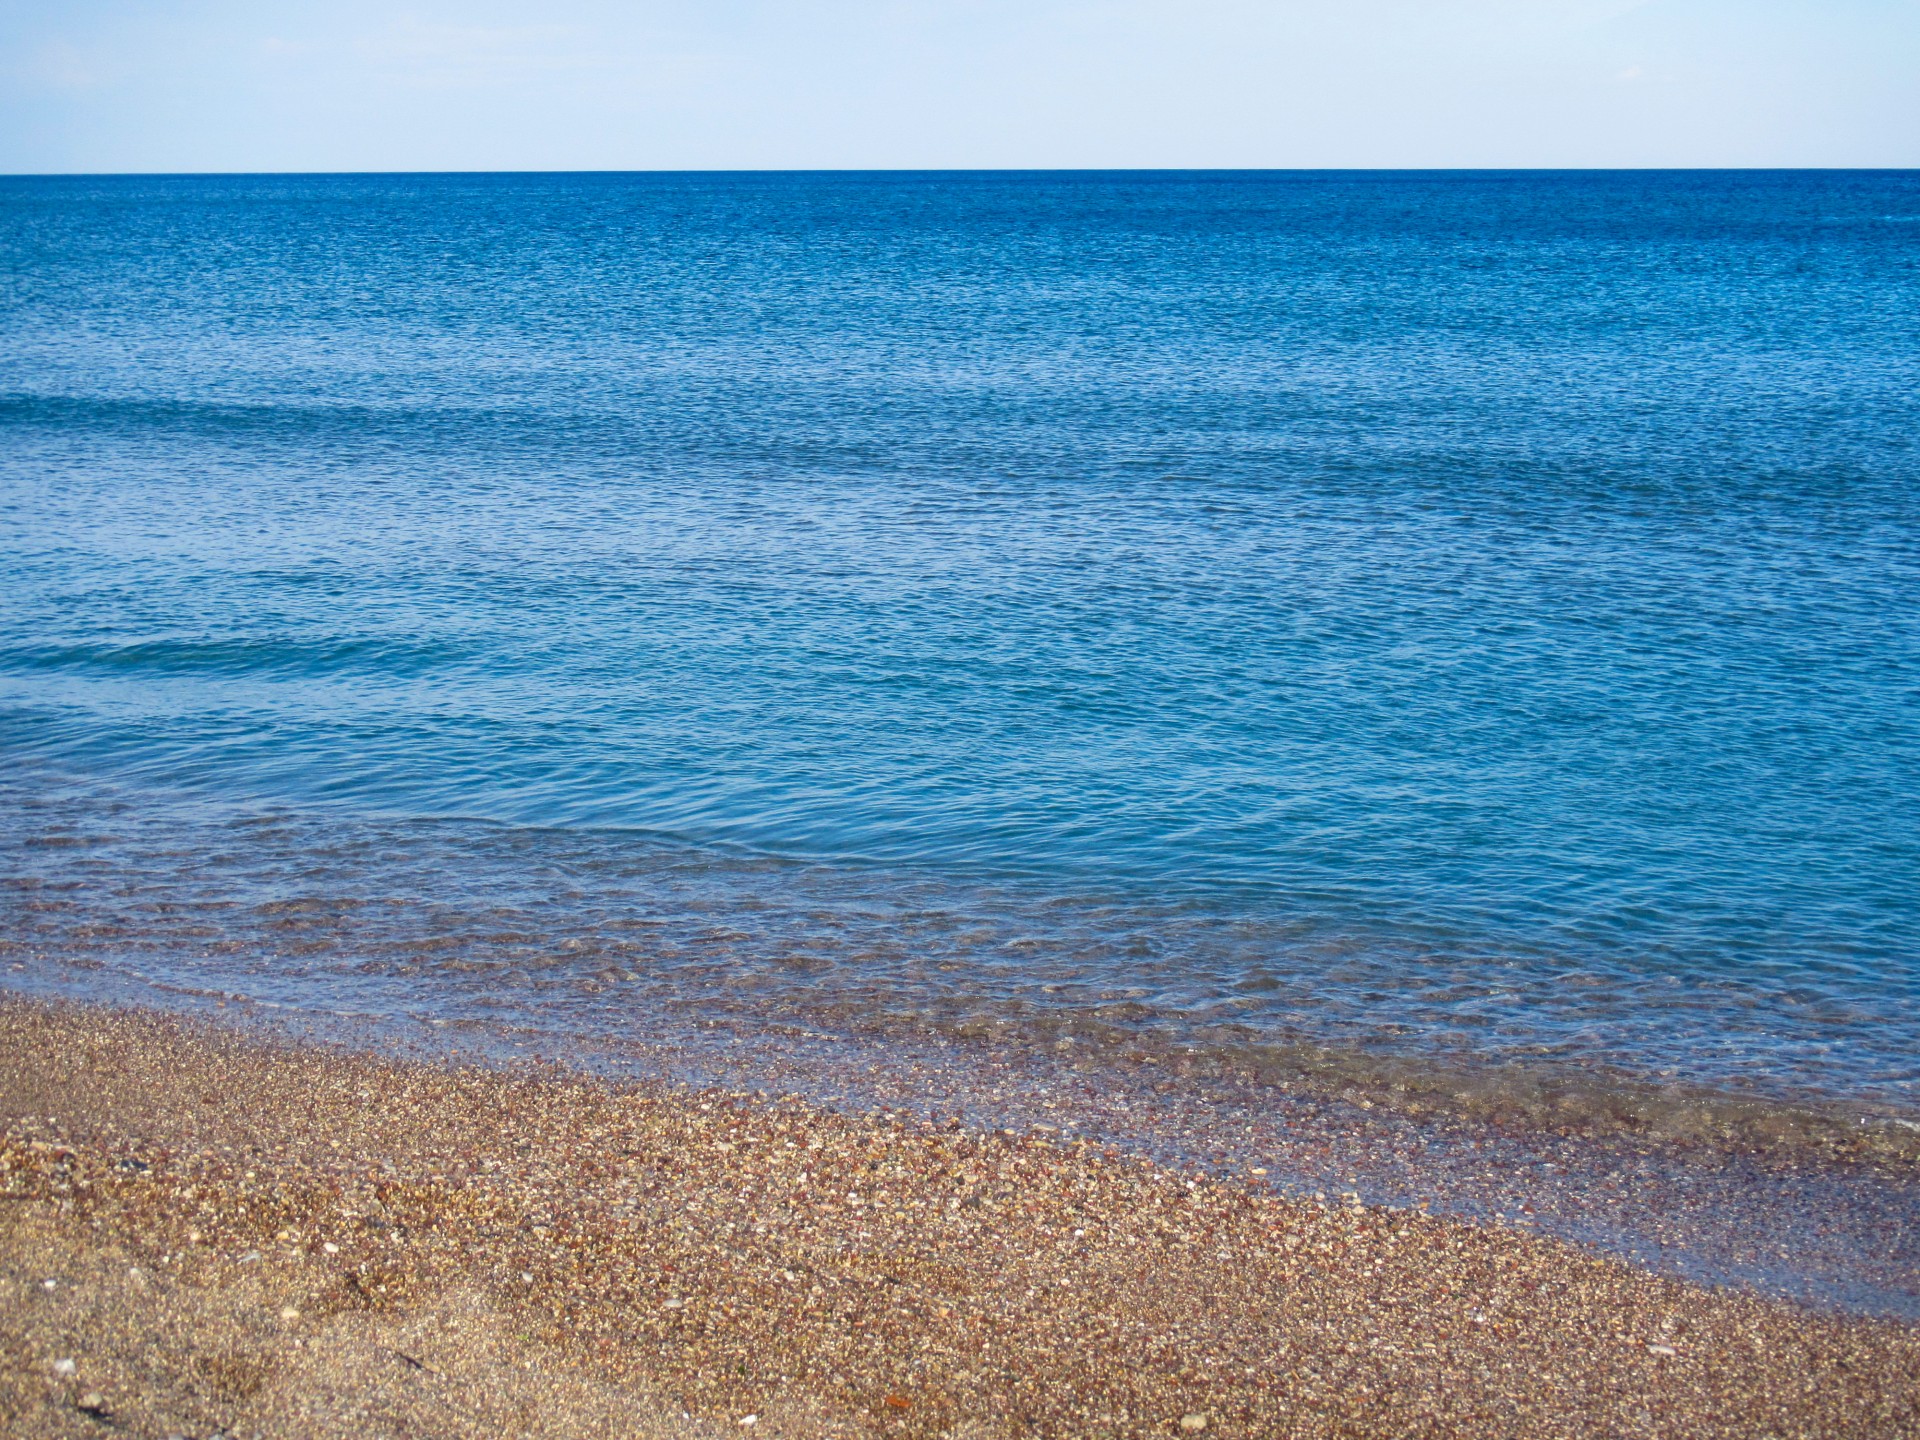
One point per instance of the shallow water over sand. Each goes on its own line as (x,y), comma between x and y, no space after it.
(598,933)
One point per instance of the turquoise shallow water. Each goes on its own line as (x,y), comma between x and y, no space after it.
(1449,615)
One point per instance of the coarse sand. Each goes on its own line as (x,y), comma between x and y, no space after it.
(204,1232)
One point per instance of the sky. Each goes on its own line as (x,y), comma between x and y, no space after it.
(287,85)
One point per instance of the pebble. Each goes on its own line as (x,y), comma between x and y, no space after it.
(64,1367)
(990,1283)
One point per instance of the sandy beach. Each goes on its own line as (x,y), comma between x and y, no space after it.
(203,1233)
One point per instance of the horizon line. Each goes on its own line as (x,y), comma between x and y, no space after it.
(987,170)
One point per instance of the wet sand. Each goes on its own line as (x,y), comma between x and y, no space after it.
(203,1232)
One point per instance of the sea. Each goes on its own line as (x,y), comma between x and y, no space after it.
(1440,642)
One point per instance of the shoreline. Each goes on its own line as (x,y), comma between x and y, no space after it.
(1827,1225)
(295,1213)
(301,908)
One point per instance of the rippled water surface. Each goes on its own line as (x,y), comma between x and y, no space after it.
(1464,616)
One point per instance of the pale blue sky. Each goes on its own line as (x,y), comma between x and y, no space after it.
(114,85)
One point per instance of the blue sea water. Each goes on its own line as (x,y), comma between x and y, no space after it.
(1438,615)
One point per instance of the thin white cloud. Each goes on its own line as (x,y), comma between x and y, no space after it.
(477,52)
(59,66)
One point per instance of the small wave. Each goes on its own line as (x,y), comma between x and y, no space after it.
(279,656)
